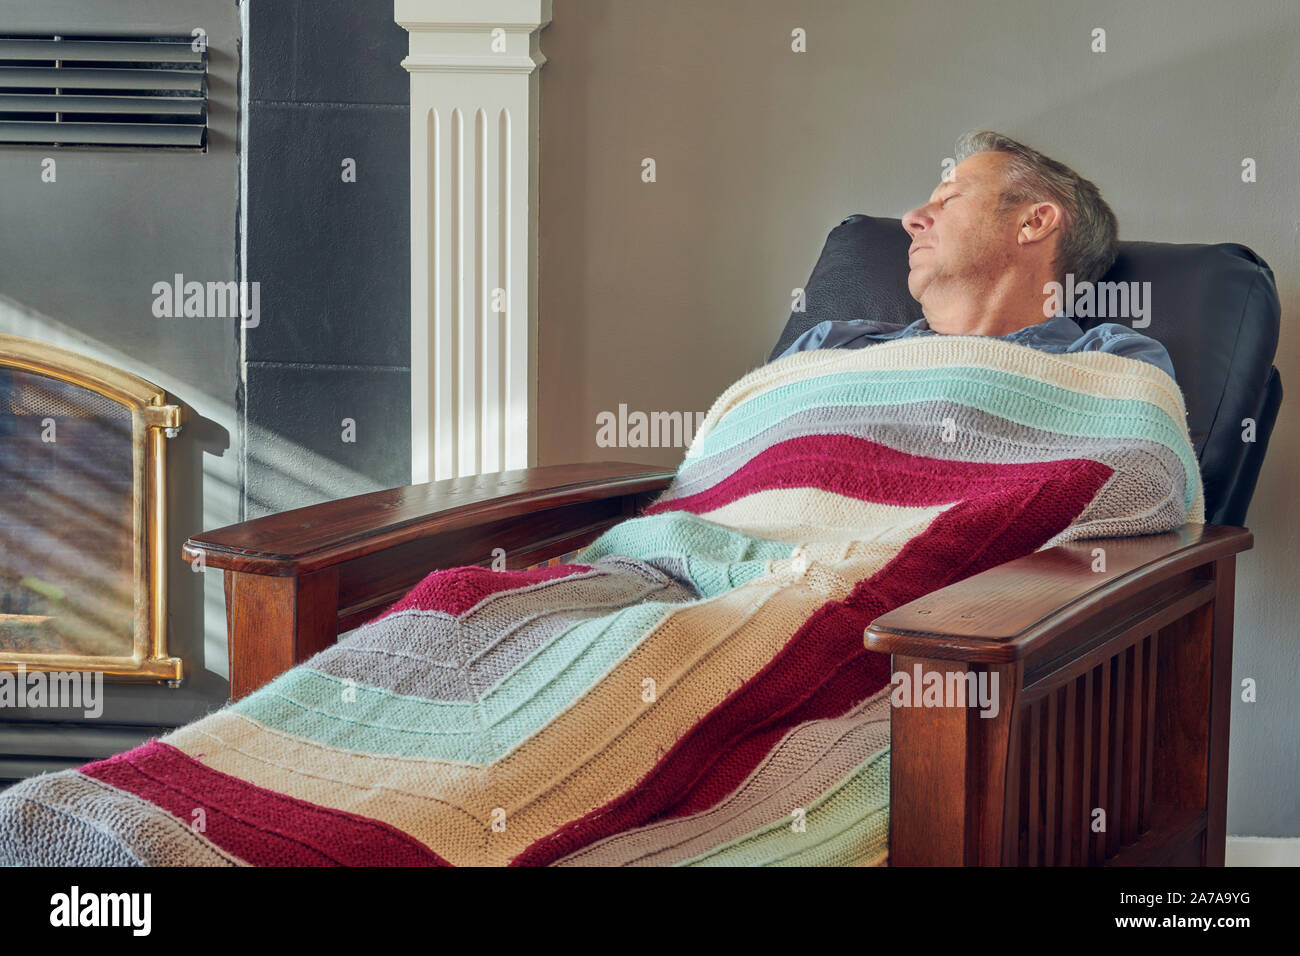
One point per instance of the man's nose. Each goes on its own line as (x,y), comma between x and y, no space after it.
(916,220)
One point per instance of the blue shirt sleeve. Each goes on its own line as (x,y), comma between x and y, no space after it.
(1121,340)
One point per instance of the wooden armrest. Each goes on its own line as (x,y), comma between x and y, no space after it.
(1025,606)
(317,536)
(1112,690)
(296,580)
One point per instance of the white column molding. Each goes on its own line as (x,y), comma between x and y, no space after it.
(474,114)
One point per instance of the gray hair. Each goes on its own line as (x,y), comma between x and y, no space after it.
(1089,233)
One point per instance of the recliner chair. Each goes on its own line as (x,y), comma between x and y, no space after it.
(1118,682)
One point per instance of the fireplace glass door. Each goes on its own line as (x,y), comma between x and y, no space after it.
(67,581)
(82,515)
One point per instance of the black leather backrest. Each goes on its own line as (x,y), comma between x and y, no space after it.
(1214,307)
(861,274)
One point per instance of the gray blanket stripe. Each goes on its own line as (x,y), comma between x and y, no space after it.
(70,819)
(438,656)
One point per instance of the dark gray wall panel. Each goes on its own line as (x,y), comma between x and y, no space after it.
(296,452)
(328,51)
(332,257)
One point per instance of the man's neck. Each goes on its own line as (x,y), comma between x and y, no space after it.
(1003,306)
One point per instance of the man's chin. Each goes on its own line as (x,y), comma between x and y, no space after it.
(917,284)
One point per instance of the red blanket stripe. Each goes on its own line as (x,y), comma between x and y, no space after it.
(818,665)
(456,590)
(258,826)
(856,468)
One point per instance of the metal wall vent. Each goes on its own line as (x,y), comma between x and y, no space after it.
(98,91)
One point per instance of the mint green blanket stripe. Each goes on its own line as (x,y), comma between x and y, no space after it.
(714,559)
(1016,398)
(310,704)
(847,825)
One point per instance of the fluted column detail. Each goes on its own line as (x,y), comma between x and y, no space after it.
(474,111)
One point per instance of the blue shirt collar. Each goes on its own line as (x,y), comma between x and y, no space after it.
(1060,329)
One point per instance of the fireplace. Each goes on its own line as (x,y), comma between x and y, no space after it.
(82,516)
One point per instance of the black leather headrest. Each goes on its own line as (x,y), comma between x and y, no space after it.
(1214,308)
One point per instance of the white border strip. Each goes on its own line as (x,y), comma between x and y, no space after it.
(1262,851)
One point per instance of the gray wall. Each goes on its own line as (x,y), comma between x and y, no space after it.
(78,259)
(659,295)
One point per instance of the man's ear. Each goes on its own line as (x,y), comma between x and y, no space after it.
(1038,222)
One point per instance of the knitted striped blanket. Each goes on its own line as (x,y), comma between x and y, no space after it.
(695,689)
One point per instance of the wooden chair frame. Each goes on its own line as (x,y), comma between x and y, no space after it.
(1110,745)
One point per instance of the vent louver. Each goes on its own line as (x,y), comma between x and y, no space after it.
(91,91)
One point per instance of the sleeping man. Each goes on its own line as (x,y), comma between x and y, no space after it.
(996,238)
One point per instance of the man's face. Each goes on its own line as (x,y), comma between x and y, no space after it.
(960,241)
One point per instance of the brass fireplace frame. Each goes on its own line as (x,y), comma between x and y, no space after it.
(153,421)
